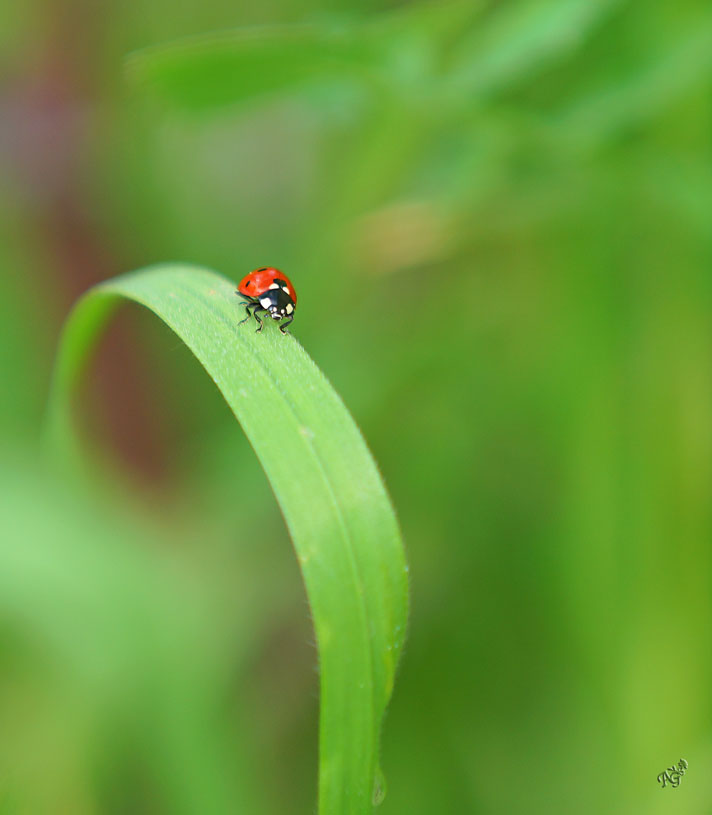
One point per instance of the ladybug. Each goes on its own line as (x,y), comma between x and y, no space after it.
(267,290)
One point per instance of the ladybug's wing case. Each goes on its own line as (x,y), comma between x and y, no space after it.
(258,282)
(248,288)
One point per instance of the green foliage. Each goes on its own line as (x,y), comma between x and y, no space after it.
(390,52)
(497,218)
(328,488)
(219,69)
(105,631)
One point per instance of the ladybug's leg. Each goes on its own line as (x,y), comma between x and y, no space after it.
(283,325)
(248,304)
(256,316)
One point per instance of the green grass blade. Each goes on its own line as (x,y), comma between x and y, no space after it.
(659,78)
(223,68)
(522,38)
(328,487)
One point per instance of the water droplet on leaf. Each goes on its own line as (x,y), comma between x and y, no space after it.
(379,787)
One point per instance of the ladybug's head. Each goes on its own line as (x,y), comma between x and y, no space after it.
(277,301)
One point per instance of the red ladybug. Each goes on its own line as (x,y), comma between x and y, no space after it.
(267,290)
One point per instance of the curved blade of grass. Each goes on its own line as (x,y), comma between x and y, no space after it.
(326,482)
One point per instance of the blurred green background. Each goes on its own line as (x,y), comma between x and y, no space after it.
(498,219)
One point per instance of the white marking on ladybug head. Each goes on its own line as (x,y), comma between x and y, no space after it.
(274,285)
(285,288)
(290,308)
(265,302)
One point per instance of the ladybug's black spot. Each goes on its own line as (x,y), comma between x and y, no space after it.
(249,283)
(262,269)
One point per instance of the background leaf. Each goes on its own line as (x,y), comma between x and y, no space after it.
(218,69)
(522,37)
